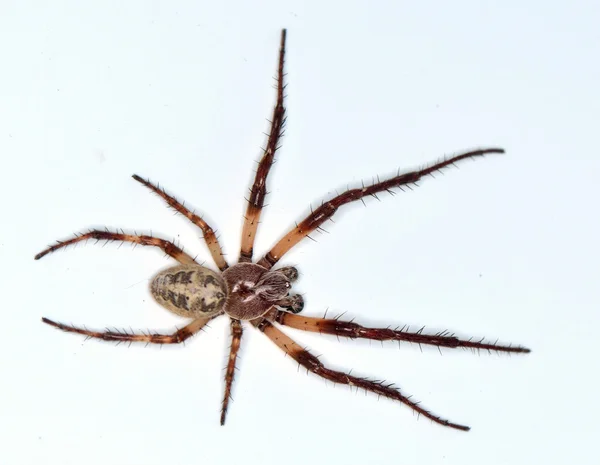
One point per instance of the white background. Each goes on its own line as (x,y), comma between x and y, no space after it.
(505,246)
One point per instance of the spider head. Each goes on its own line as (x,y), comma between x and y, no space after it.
(252,290)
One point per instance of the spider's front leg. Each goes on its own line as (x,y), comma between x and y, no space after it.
(168,247)
(258,191)
(326,211)
(313,364)
(123,336)
(352,330)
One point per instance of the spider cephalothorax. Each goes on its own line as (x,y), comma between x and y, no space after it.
(255,292)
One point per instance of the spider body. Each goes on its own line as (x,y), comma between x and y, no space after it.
(244,291)
(190,291)
(255,293)
(252,290)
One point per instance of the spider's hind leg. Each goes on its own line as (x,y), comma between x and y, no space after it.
(168,247)
(124,336)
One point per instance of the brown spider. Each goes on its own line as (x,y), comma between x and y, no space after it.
(255,292)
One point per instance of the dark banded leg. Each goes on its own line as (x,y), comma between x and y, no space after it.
(236,339)
(168,247)
(123,336)
(312,363)
(327,209)
(353,330)
(207,232)
(258,191)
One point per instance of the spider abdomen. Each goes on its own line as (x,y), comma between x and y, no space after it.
(189,290)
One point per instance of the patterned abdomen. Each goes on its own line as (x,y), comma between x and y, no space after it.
(189,290)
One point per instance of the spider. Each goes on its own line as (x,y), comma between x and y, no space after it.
(258,293)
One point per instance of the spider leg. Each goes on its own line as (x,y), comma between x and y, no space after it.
(323,213)
(258,191)
(353,330)
(123,336)
(236,338)
(168,247)
(312,363)
(208,233)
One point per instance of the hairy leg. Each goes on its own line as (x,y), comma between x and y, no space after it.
(236,339)
(312,363)
(123,336)
(208,233)
(353,330)
(258,191)
(327,209)
(168,247)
